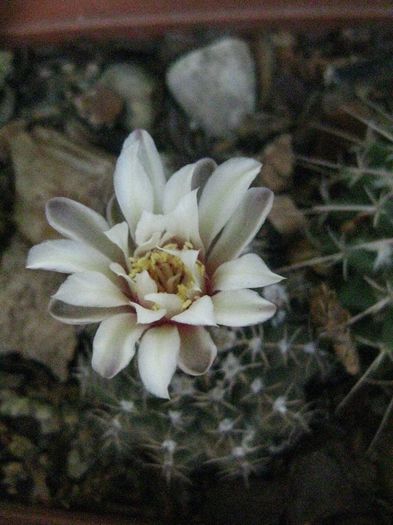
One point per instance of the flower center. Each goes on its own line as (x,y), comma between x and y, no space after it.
(169,272)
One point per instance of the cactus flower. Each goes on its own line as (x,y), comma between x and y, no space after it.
(172,266)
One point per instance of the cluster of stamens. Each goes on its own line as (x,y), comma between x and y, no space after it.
(169,272)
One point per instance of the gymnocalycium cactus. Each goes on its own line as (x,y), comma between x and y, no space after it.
(244,409)
(252,402)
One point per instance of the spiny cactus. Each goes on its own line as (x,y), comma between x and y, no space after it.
(245,409)
(352,230)
(252,402)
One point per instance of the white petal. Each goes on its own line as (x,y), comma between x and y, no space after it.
(168,301)
(223,193)
(242,227)
(201,312)
(147,316)
(189,259)
(149,225)
(183,222)
(151,161)
(80,223)
(113,212)
(67,257)
(114,344)
(157,358)
(241,308)
(144,285)
(133,188)
(118,270)
(70,314)
(90,289)
(249,271)
(197,350)
(150,244)
(184,180)
(119,235)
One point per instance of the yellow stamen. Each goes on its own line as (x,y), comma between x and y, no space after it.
(171,246)
(201,268)
(182,291)
(168,272)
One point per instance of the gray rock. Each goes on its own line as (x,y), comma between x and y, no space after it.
(7,94)
(47,164)
(6,58)
(136,87)
(25,324)
(215,85)
(7,105)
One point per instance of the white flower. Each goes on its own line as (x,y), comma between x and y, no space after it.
(172,267)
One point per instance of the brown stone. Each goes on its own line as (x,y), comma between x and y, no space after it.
(277,164)
(47,164)
(286,216)
(25,324)
(99,106)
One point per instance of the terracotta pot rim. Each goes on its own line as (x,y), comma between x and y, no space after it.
(50,21)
